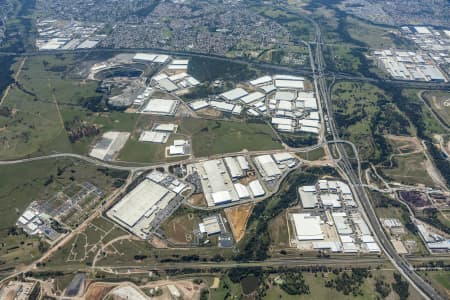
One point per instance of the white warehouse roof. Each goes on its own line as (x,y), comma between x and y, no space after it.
(261,80)
(144,56)
(243,163)
(256,188)
(136,203)
(241,190)
(234,94)
(199,104)
(161,106)
(252,97)
(289,84)
(233,167)
(180,62)
(268,165)
(283,156)
(221,197)
(307,227)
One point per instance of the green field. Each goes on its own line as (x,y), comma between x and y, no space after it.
(31,122)
(315,154)
(440,103)
(439,279)
(374,36)
(213,137)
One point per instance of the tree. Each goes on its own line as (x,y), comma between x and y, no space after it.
(400,286)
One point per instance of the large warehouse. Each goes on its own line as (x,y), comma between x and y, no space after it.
(234,94)
(307,227)
(267,167)
(161,107)
(138,208)
(216,182)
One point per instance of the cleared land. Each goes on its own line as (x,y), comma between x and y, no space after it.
(179,228)
(440,103)
(410,169)
(237,217)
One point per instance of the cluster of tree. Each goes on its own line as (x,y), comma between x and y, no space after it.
(77,129)
(6,76)
(299,140)
(210,69)
(236,274)
(349,283)
(440,161)
(382,287)
(400,286)
(93,103)
(294,284)
(5,112)
(121,174)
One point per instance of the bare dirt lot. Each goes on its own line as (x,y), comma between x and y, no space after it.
(198,200)
(405,144)
(237,217)
(98,291)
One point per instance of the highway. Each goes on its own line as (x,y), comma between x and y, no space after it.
(354,178)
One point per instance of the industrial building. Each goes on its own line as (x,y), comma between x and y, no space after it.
(216,182)
(160,133)
(256,188)
(234,94)
(234,168)
(161,107)
(154,136)
(267,167)
(220,180)
(148,204)
(212,225)
(179,148)
(109,145)
(308,196)
(150,57)
(198,104)
(307,227)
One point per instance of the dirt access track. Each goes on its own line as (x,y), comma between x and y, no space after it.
(237,217)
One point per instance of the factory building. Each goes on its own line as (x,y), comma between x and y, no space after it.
(234,94)
(307,227)
(256,188)
(136,210)
(198,104)
(267,167)
(234,168)
(161,107)
(216,182)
